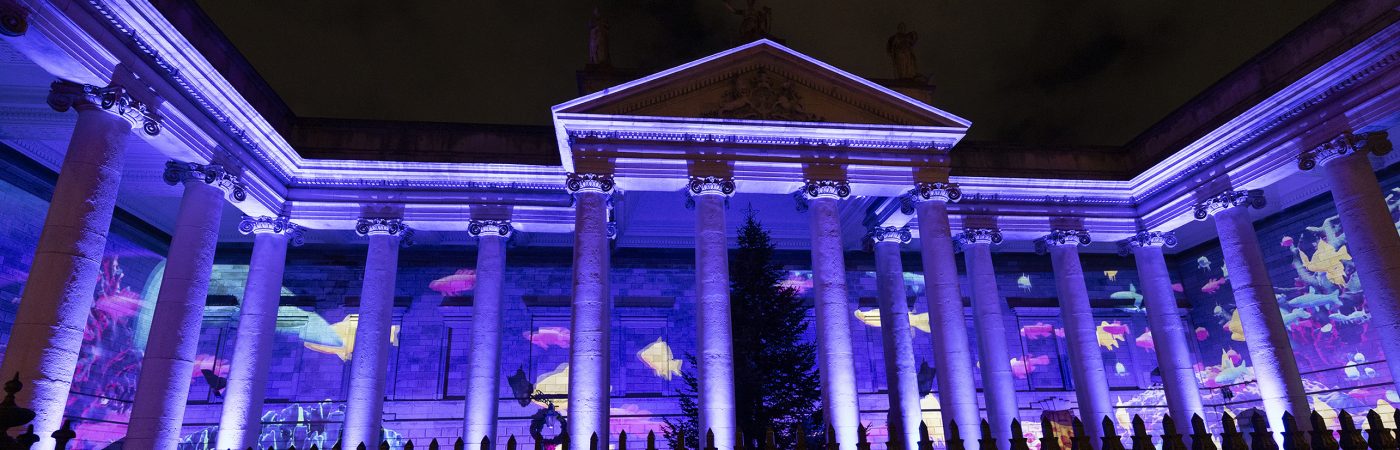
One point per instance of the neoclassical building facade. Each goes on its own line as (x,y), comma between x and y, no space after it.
(193,265)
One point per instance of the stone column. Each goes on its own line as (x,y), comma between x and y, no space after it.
(1164,320)
(901,369)
(1085,358)
(834,354)
(158,411)
(1275,369)
(589,400)
(369,360)
(1370,231)
(53,310)
(952,353)
(989,320)
(484,361)
(716,340)
(241,414)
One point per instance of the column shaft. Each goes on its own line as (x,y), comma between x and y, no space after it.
(1275,369)
(952,353)
(901,371)
(834,354)
(369,360)
(484,362)
(998,384)
(54,308)
(1373,244)
(717,408)
(164,384)
(589,401)
(1168,334)
(241,414)
(1085,358)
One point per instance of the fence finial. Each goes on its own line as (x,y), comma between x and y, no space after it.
(1200,436)
(406,446)
(1018,436)
(1350,436)
(622,440)
(1292,438)
(593,441)
(988,442)
(1048,440)
(1377,436)
(459,444)
(1171,438)
(954,440)
(1322,438)
(510,443)
(651,440)
(1079,440)
(1231,438)
(1262,438)
(1141,440)
(485,443)
(925,443)
(1111,440)
(710,439)
(432,445)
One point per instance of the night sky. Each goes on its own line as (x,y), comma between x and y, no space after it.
(1044,72)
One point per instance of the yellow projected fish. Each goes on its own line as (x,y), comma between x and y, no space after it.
(871,317)
(1328,260)
(1110,334)
(553,385)
(345,329)
(1236,330)
(1111,274)
(657,355)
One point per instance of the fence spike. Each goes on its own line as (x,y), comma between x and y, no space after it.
(1231,438)
(361,446)
(1378,437)
(1322,438)
(953,438)
(1018,436)
(64,434)
(28,438)
(1079,440)
(1350,436)
(622,440)
(511,444)
(384,445)
(987,442)
(1111,440)
(1171,435)
(710,439)
(651,440)
(406,446)
(1262,438)
(459,445)
(593,441)
(831,443)
(925,443)
(1200,436)
(1048,440)
(338,445)
(1293,439)
(486,443)
(680,442)
(862,441)
(1141,440)
(433,445)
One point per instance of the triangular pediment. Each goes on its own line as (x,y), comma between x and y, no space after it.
(762,81)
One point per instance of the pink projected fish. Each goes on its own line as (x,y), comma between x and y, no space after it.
(545,337)
(1039,330)
(1022,369)
(1202,334)
(462,281)
(1145,341)
(1214,285)
(1111,333)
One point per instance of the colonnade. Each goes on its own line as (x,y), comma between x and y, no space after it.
(54,308)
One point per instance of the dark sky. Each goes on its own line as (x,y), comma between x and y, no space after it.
(1035,72)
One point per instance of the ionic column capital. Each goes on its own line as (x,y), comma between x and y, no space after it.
(833,189)
(180,172)
(481,228)
(1147,239)
(1253,198)
(897,235)
(1375,142)
(114,98)
(988,236)
(1062,238)
(935,192)
(375,226)
(274,225)
(711,185)
(601,183)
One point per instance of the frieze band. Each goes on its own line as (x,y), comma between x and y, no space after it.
(1147,239)
(589,182)
(479,228)
(276,225)
(899,235)
(1062,237)
(1253,198)
(980,236)
(64,95)
(1375,142)
(178,172)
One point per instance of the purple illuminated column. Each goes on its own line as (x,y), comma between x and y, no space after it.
(952,354)
(589,335)
(1164,321)
(834,354)
(1085,358)
(712,295)
(901,371)
(484,363)
(241,414)
(369,361)
(158,411)
(1275,369)
(998,386)
(54,308)
(1370,230)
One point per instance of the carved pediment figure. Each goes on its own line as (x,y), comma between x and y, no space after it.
(760,95)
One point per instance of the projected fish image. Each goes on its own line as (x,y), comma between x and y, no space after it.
(1040,330)
(546,337)
(343,344)
(1021,369)
(1110,334)
(463,280)
(657,355)
(871,317)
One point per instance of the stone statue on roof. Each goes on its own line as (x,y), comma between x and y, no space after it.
(901,50)
(598,40)
(756,21)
